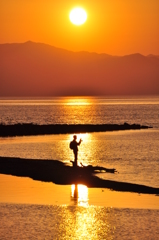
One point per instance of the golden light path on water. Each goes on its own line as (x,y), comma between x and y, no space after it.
(78,101)
(79,194)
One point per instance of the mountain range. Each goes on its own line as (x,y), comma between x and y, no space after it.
(37,69)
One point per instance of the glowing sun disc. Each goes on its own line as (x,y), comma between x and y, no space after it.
(78,16)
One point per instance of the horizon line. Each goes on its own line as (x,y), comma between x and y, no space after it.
(81,51)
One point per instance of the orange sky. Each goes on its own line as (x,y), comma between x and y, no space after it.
(116,27)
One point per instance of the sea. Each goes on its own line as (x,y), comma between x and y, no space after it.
(39,210)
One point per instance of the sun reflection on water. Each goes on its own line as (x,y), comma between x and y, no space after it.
(79,194)
(78,222)
(78,101)
(83,136)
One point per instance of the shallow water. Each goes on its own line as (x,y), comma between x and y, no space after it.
(71,222)
(35,210)
(24,190)
(134,154)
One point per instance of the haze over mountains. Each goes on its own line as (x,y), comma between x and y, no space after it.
(36,69)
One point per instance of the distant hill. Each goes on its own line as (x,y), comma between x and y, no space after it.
(36,69)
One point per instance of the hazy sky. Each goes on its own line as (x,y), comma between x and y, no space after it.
(116,27)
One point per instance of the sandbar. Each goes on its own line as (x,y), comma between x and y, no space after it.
(63,174)
(26,129)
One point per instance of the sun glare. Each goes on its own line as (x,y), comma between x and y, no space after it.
(78,16)
(78,101)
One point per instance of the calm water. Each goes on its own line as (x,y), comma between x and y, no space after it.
(81,110)
(133,153)
(69,222)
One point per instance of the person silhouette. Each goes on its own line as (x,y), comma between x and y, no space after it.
(74,146)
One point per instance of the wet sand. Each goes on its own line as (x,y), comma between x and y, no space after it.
(33,129)
(59,173)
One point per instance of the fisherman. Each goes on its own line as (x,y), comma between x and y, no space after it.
(74,146)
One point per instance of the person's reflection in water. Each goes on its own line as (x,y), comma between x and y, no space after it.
(74,193)
(79,194)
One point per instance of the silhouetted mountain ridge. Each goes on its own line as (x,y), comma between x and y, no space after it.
(37,69)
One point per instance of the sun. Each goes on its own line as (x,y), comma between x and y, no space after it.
(78,16)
